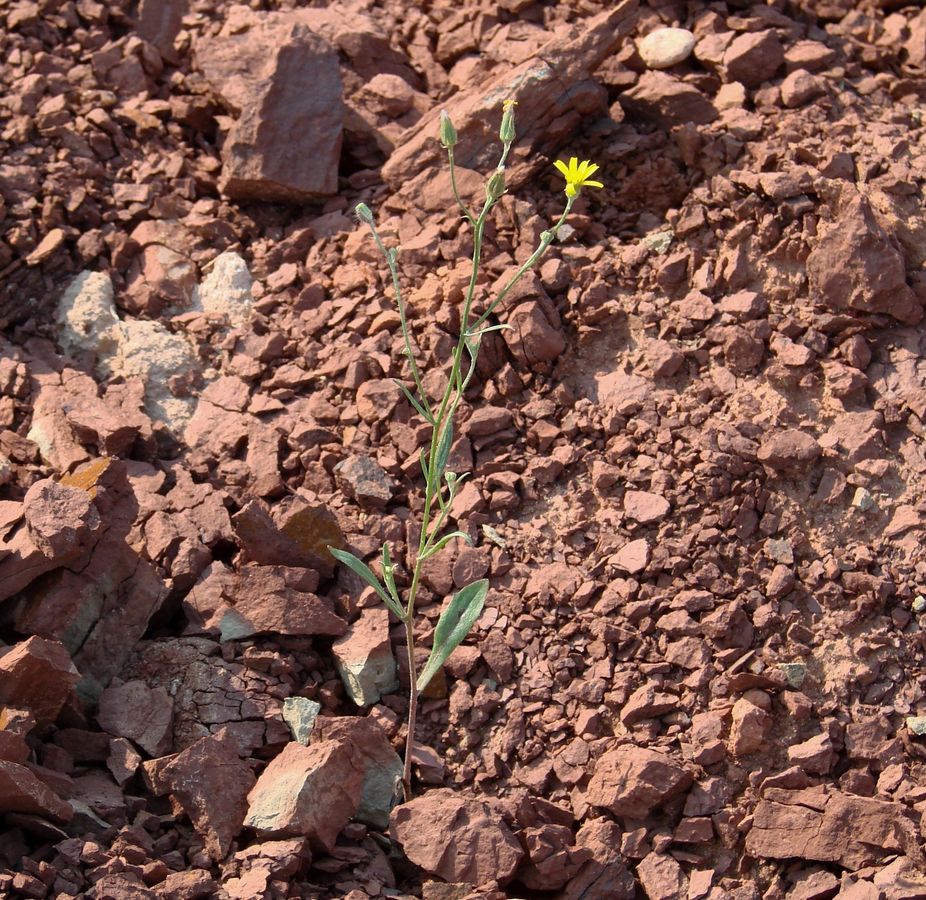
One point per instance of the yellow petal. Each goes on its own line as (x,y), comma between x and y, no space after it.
(590,168)
(563,168)
(574,165)
(597,184)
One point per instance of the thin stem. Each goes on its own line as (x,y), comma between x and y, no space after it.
(453,185)
(403,319)
(412,696)
(545,241)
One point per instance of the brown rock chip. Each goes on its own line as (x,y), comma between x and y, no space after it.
(753,57)
(633,781)
(211,783)
(645,507)
(62,521)
(21,791)
(856,265)
(37,675)
(142,714)
(457,839)
(311,791)
(829,826)
(286,142)
(666,101)
(788,449)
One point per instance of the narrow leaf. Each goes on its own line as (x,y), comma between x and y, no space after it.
(455,622)
(446,539)
(388,576)
(443,448)
(414,402)
(366,573)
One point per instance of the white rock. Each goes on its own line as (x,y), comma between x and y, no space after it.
(666,47)
(87,316)
(300,714)
(226,290)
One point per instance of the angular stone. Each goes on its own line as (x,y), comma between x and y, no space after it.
(309,791)
(666,101)
(788,449)
(382,767)
(662,877)
(286,142)
(364,658)
(646,702)
(856,265)
(553,857)
(828,826)
(258,600)
(144,715)
(645,507)
(300,714)
(632,781)
(364,480)
(753,57)
(21,791)
(62,521)
(457,839)
(37,675)
(211,783)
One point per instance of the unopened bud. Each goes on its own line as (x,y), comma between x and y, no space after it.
(507,131)
(448,134)
(364,213)
(495,186)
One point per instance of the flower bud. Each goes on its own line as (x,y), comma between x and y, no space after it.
(495,186)
(507,132)
(364,213)
(448,134)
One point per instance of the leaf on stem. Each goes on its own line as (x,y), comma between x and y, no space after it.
(455,622)
(366,573)
(443,448)
(414,402)
(446,539)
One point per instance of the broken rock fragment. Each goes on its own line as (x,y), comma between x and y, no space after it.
(309,791)
(286,141)
(21,791)
(457,839)
(142,714)
(37,675)
(632,781)
(364,658)
(211,783)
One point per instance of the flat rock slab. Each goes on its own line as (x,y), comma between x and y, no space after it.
(37,675)
(284,84)
(633,781)
(554,90)
(829,826)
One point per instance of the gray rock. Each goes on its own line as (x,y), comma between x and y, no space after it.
(300,714)
(364,658)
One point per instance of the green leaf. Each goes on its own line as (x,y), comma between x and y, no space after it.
(455,622)
(388,577)
(414,402)
(366,573)
(446,539)
(443,448)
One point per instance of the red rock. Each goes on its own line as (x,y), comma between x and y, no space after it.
(663,358)
(38,675)
(645,507)
(789,449)
(535,337)
(632,781)
(123,760)
(298,535)
(62,521)
(646,702)
(21,791)
(457,839)
(546,112)
(15,724)
(187,885)
(364,658)
(662,877)
(856,265)
(143,714)
(159,23)
(307,791)
(377,398)
(827,826)
(800,87)
(753,57)
(211,782)
(815,756)
(364,480)
(498,655)
(552,857)
(633,557)
(743,352)
(249,872)
(259,599)
(858,435)
(257,73)
(750,729)
(605,875)
(382,767)
(667,101)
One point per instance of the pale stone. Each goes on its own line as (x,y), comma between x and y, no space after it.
(666,47)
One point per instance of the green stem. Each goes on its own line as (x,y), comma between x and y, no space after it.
(456,193)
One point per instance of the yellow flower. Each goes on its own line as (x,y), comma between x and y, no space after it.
(578,175)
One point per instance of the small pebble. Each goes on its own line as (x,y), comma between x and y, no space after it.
(666,47)
(863,500)
(917,724)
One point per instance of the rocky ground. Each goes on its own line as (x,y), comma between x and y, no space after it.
(697,455)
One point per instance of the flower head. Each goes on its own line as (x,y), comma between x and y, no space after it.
(578,175)
(507,132)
